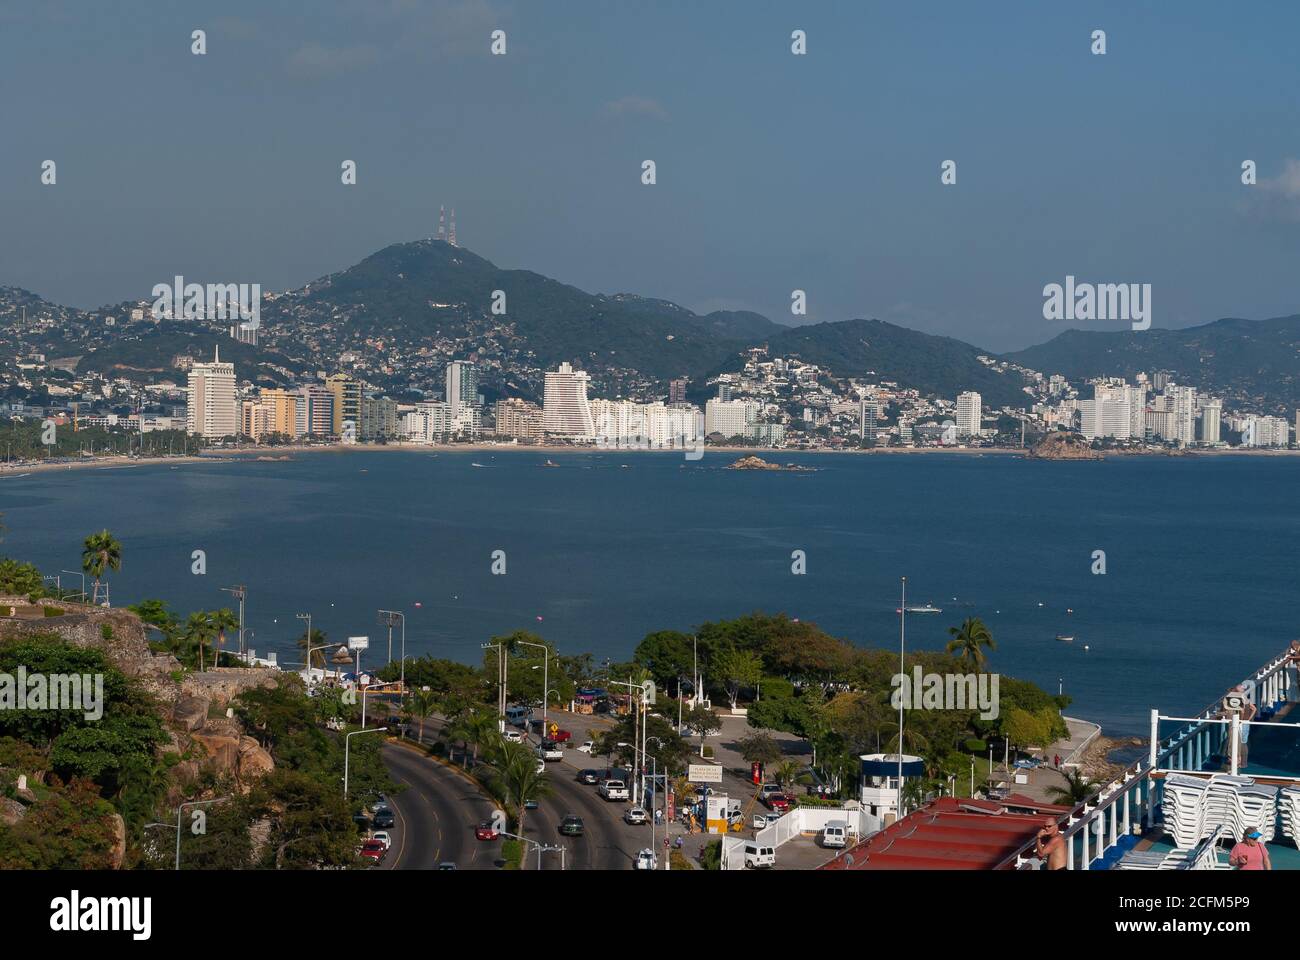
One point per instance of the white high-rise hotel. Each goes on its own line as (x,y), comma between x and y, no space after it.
(565,408)
(968,414)
(211,410)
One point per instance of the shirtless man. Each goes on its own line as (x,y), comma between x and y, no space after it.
(1050,845)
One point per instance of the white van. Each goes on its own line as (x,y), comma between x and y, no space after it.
(835,833)
(756,856)
(516,715)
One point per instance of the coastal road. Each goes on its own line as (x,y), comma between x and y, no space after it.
(435,816)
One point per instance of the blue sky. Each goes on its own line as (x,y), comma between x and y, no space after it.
(775,171)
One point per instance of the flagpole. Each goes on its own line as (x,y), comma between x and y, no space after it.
(902,671)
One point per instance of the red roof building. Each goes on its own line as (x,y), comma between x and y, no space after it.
(953,833)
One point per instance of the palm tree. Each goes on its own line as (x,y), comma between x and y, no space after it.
(968,639)
(518,780)
(316,639)
(222,620)
(100,553)
(786,772)
(483,730)
(1077,789)
(198,630)
(419,704)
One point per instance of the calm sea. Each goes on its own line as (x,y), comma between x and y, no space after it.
(1199,588)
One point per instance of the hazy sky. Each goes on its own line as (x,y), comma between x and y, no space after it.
(775,171)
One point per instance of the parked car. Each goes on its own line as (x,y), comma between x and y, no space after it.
(514,736)
(646,860)
(383,837)
(485,831)
(561,736)
(373,850)
(636,816)
(777,801)
(614,790)
(767,789)
(835,833)
(586,746)
(571,826)
(759,856)
(384,819)
(589,777)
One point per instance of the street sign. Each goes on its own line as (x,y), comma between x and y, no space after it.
(704,773)
(358,643)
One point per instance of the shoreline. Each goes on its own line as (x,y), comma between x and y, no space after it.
(773,455)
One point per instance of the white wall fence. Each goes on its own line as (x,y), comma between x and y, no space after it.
(799,821)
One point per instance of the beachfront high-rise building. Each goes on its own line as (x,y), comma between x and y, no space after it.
(1211,415)
(1105,418)
(211,410)
(320,410)
(462,386)
(566,412)
(867,420)
(378,419)
(519,419)
(677,390)
(281,415)
(729,417)
(346,391)
(1266,432)
(969,405)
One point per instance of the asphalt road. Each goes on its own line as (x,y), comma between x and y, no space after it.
(435,816)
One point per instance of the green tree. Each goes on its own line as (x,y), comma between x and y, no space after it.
(421,702)
(759,748)
(198,632)
(969,639)
(20,579)
(702,722)
(100,553)
(737,669)
(518,781)
(316,639)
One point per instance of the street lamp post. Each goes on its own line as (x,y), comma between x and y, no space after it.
(191,803)
(82,574)
(307,617)
(389,618)
(347,746)
(546,678)
(239,592)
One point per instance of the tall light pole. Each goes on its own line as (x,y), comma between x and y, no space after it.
(546,679)
(502,673)
(239,592)
(191,803)
(389,618)
(307,617)
(82,574)
(347,746)
(902,672)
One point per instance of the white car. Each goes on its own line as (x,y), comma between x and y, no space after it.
(614,790)
(646,860)
(636,816)
(541,765)
(383,836)
(514,736)
(586,746)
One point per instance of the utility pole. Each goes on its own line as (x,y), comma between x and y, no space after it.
(239,592)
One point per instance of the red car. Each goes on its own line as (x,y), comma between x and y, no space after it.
(561,736)
(373,850)
(777,801)
(485,831)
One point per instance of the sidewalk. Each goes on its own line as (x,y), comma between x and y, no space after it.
(1070,749)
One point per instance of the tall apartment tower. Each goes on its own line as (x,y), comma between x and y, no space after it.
(462,386)
(565,408)
(969,405)
(677,390)
(869,413)
(211,410)
(347,402)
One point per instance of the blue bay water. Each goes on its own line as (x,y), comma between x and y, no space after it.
(1199,588)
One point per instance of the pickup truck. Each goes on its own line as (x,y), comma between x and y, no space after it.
(550,750)
(614,790)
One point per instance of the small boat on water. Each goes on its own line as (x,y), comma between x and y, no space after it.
(928,608)
(1065,638)
(472,464)
(550,463)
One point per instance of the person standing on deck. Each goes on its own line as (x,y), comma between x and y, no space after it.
(1049,845)
(1293,672)
(1250,854)
(1237,702)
